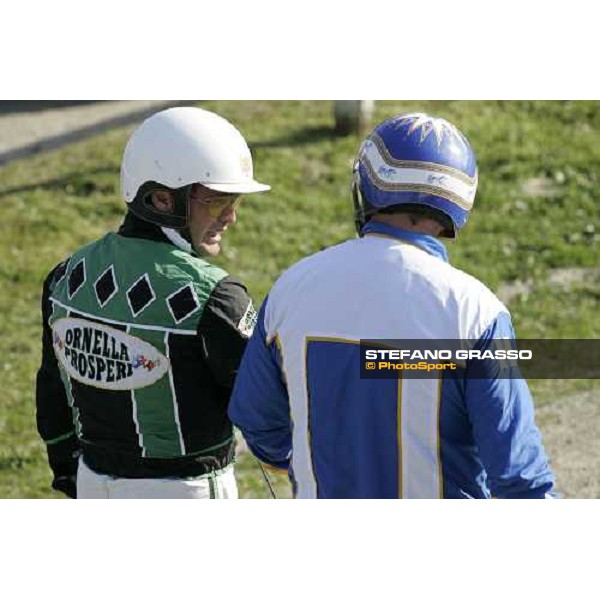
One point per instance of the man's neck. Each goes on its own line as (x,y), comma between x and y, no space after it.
(404,221)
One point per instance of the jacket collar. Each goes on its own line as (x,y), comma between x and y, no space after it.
(428,243)
(135,227)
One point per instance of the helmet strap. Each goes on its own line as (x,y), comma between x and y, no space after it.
(358,202)
(142,206)
(174,224)
(363,211)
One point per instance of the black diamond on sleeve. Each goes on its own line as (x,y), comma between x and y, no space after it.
(76,278)
(140,295)
(106,286)
(182,303)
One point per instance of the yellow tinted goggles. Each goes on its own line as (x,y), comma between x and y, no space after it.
(217,204)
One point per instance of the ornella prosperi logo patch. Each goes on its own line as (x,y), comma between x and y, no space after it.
(104,357)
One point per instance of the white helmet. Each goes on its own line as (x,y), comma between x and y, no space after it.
(178,147)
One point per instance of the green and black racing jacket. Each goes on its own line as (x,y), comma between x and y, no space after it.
(141,345)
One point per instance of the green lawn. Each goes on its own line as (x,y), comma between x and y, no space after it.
(536,210)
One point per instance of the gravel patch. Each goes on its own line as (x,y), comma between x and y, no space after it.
(570,428)
(34,127)
(561,279)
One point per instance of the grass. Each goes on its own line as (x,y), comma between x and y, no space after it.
(536,210)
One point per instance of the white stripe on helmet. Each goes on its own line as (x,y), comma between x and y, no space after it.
(417,176)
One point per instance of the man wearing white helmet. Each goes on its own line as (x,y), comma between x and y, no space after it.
(142,336)
(300,397)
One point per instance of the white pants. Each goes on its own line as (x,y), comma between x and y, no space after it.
(92,485)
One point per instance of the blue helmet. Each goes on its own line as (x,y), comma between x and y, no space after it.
(415,159)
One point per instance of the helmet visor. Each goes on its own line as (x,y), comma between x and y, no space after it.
(246,187)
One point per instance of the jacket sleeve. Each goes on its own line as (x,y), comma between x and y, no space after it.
(53,414)
(501,410)
(224,328)
(259,404)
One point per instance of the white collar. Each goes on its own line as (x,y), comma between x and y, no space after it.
(177,239)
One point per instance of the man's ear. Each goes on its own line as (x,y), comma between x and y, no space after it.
(162,201)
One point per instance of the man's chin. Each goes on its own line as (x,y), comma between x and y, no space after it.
(209,248)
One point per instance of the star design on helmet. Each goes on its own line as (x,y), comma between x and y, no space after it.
(426,125)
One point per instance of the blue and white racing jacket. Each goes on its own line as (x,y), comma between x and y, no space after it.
(302,406)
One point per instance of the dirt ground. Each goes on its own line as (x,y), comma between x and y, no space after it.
(570,427)
(29,126)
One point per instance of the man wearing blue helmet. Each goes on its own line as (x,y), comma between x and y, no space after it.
(299,397)
(416,164)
